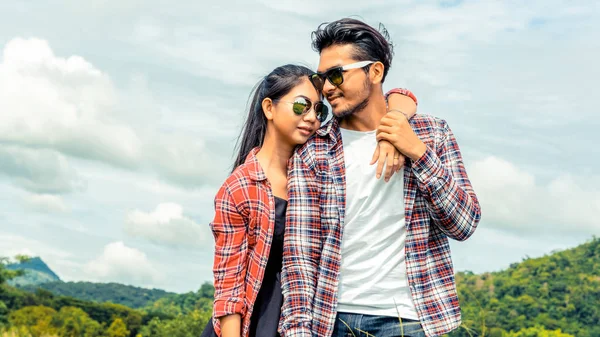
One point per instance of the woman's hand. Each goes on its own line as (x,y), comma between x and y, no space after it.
(231,325)
(385,153)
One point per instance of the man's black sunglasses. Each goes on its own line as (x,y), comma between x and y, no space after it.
(334,75)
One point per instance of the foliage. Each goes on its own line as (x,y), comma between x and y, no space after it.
(117,329)
(42,314)
(185,303)
(189,325)
(6,273)
(130,296)
(552,296)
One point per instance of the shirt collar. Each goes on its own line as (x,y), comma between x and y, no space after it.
(331,130)
(255,171)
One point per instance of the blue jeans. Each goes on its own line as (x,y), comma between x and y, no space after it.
(357,325)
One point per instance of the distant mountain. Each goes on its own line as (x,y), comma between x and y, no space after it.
(133,297)
(39,275)
(36,272)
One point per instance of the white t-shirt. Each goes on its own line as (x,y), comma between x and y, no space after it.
(373,278)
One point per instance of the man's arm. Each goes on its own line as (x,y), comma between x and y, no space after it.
(443,181)
(440,173)
(301,251)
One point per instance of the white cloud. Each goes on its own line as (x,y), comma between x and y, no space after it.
(184,160)
(493,249)
(56,258)
(455,96)
(63,103)
(513,199)
(39,170)
(470,21)
(47,203)
(215,50)
(477,21)
(166,225)
(119,263)
(70,106)
(171,88)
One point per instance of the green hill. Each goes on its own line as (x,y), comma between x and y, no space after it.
(42,313)
(36,272)
(37,275)
(557,291)
(133,297)
(557,295)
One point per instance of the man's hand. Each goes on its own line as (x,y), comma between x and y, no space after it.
(395,129)
(386,153)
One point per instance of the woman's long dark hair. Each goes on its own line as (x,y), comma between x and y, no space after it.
(275,85)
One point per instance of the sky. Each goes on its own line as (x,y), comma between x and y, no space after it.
(118,121)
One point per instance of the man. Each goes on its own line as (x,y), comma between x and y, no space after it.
(390,273)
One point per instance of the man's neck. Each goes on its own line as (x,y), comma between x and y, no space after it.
(368,118)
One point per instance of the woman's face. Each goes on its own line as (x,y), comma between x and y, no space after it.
(297,115)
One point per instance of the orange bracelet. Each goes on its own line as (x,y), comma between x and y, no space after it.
(402,91)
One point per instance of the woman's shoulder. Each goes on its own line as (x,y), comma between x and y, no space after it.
(239,179)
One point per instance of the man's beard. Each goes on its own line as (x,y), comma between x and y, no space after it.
(358,107)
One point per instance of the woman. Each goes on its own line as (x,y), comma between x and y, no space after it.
(249,223)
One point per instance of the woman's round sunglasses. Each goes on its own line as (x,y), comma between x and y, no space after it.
(335,75)
(301,106)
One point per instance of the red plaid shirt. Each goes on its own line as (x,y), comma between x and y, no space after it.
(243,231)
(439,204)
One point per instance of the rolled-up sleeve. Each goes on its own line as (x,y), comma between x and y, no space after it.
(443,181)
(231,249)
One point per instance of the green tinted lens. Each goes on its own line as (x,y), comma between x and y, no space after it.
(335,76)
(300,106)
(321,111)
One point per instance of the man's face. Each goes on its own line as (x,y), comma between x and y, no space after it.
(352,95)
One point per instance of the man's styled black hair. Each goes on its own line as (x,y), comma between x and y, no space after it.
(369,43)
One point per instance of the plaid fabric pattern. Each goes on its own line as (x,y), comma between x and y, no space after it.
(439,204)
(243,230)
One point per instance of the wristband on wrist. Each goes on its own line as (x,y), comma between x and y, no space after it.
(402,91)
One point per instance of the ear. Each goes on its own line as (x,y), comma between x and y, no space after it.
(376,72)
(268,107)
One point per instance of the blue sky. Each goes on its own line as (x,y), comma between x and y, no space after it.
(118,120)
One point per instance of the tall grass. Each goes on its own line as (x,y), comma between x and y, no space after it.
(468,330)
(367,334)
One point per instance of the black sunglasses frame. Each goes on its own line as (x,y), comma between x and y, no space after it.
(335,75)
